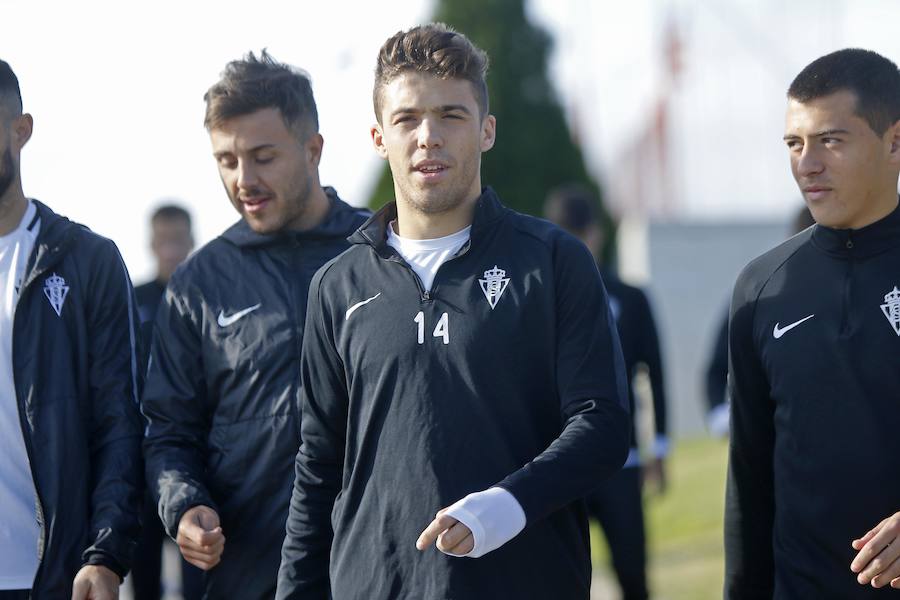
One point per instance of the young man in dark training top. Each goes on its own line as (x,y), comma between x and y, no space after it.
(461,388)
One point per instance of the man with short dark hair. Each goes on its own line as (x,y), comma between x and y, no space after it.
(461,388)
(814,339)
(223,381)
(70,428)
(617,503)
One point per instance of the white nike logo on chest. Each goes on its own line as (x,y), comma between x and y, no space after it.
(353,308)
(780,331)
(224,321)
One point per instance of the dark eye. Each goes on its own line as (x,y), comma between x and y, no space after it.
(830,140)
(794,145)
(263,160)
(227,162)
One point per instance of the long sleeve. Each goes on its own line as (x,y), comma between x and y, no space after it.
(650,355)
(749,504)
(173,403)
(591,388)
(115,423)
(717,370)
(319,463)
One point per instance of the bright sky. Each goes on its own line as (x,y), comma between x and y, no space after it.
(116,92)
(727,113)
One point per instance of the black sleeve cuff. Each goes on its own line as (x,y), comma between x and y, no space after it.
(99,559)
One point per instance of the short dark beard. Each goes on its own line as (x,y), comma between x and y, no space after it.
(7,172)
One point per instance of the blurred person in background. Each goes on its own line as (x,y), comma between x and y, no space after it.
(70,426)
(717,404)
(224,379)
(814,339)
(171,241)
(617,503)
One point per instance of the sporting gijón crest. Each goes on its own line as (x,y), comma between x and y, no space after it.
(494,284)
(891,308)
(56,290)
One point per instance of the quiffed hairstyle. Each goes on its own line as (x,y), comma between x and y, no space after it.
(435,49)
(10,95)
(252,84)
(874,80)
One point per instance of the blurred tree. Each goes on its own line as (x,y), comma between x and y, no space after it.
(534,151)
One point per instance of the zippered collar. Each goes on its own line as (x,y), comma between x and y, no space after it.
(488,210)
(866,241)
(54,238)
(338,223)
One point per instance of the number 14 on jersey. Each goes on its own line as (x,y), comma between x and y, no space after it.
(441,330)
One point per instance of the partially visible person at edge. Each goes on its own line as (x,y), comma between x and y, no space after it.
(224,378)
(463,387)
(813,493)
(617,503)
(171,241)
(70,426)
(718,412)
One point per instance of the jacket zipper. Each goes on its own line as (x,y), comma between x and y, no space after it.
(296,264)
(29,448)
(848,277)
(426,295)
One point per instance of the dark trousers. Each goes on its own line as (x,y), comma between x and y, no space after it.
(618,506)
(15,594)
(146,574)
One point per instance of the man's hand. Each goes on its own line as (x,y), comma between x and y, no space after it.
(200,537)
(452,536)
(878,560)
(95,582)
(654,473)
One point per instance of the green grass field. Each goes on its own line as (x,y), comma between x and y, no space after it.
(684,526)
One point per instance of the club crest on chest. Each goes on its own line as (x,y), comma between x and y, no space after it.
(494,284)
(56,290)
(891,309)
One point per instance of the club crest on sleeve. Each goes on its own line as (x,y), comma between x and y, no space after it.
(494,284)
(56,290)
(891,308)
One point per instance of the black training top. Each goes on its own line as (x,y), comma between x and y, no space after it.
(815,391)
(640,345)
(505,373)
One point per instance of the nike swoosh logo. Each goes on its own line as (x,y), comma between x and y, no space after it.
(353,308)
(224,321)
(780,331)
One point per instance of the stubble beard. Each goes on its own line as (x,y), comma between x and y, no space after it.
(7,174)
(298,205)
(434,200)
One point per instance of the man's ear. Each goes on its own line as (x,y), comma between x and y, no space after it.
(894,139)
(22,128)
(488,132)
(314,148)
(377,134)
